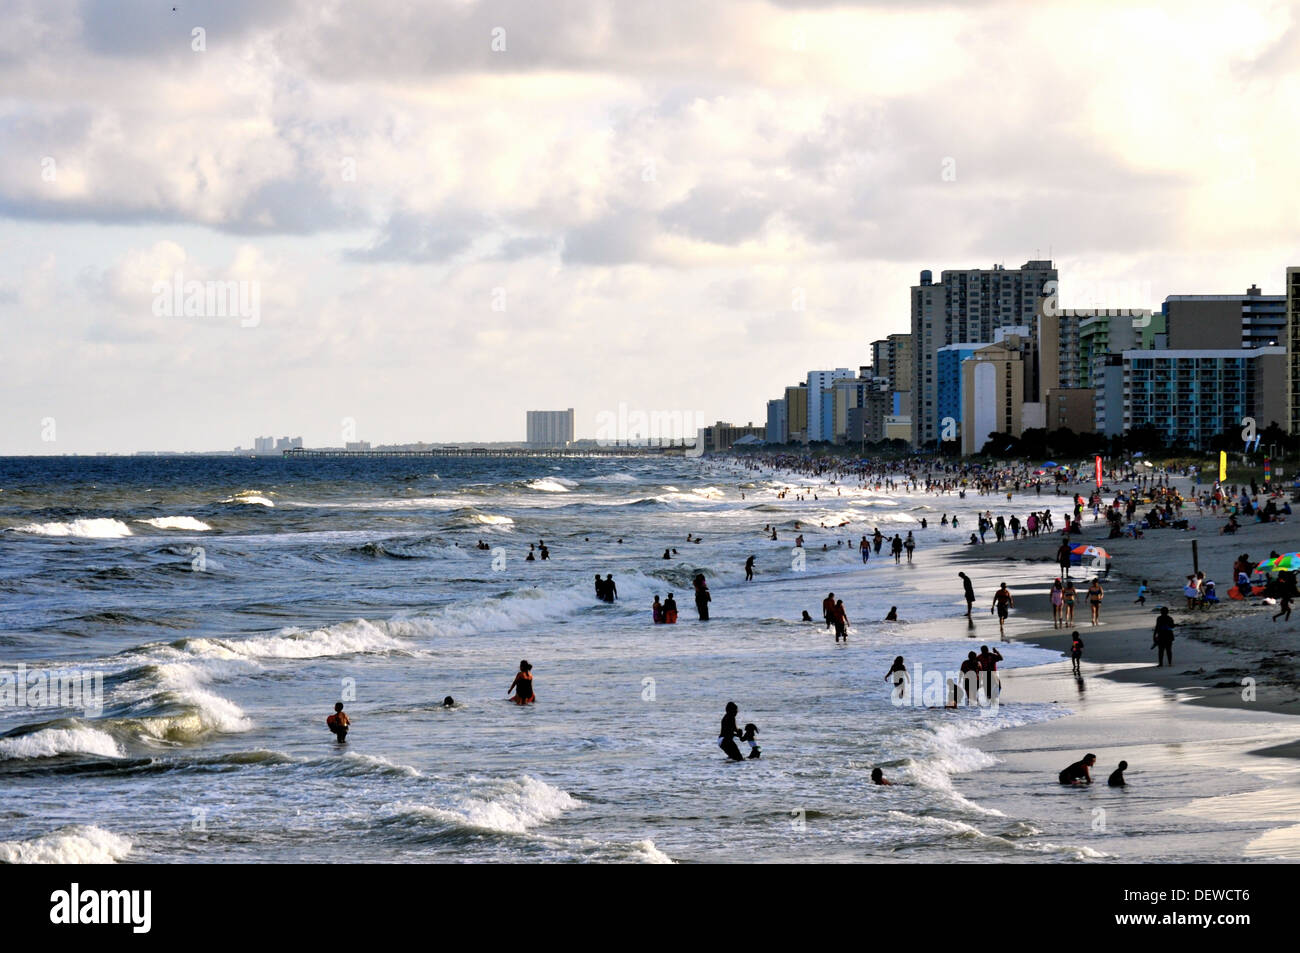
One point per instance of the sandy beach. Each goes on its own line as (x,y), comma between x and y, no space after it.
(1211,740)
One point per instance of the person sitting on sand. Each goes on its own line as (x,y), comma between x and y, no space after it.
(878,777)
(1078,772)
(1116,779)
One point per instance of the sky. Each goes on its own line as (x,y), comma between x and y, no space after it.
(442,215)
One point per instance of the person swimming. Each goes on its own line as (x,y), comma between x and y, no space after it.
(449,702)
(750,736)
(878,777)
(1116,779)
(338,723)
(1078,772)
(893,614)
(806,617)
(522,686)
(728,734)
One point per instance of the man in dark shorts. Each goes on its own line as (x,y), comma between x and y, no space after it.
(970,592)
(1003,603)
(1078,773)
(828,609)
(988,659)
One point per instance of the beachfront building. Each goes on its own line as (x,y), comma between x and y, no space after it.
(1193,396)
(1212,322)
(722,436)
(948,386)
(778,421)
(1293,348)
(550,428)
(967,306)
(796,403)
(993,392)
(891,358)
(821,417)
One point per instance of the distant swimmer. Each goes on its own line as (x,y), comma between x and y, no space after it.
(969,590)
(750,736)
(1078,772)
(530,557)
(449,702)
(878,777)
(749,569)
(806,617)
(892,616)
(666,556)
(670,610)
(729,733)
(1116,779)
(522,686)
(338,723)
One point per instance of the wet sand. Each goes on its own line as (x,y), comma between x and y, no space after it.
(1210,740)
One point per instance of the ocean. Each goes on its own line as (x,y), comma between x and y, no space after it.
(225,604)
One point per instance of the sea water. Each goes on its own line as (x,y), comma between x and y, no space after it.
(225,604)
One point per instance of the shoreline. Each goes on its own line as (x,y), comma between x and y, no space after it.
(1220,719)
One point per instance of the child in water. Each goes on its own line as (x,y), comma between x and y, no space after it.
(338,723)
(751,736)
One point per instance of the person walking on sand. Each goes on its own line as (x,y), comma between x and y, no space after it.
(1285,609)
(1003,603)
(1068,595)
(1076,652)
(1095,594)
(969,592)
(1162,638)
(1057,597)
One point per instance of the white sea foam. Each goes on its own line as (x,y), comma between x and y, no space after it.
(177,522)
(248,496)
(101,528)
(68,845)
(514,807)
(551,485)
(51,742)
(355,637)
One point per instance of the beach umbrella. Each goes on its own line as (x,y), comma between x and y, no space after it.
(1286,562)
(1050,464)
(1090,552)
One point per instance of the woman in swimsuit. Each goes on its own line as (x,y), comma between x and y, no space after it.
(522,686)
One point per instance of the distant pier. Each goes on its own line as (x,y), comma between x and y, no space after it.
(492,452)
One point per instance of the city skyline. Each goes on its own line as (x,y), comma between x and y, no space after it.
(683,208)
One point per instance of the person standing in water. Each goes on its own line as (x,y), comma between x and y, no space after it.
(749,569)
(970,592)
(729,733)
(522,686)
(611,590)
(702,597)
(896,547)
(657,610)
(909,544)
(338,723)
(1078,772)
(1116,779)
(670,610)
(1076,652)
(841,619)
(828,609)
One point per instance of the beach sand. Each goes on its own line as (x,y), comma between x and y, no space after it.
(1211,740)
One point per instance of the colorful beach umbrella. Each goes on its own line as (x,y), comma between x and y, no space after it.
(1090,552)
(1289,562)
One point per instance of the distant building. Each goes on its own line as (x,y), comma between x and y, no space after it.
(288,443)
(993,393)
(967,306)
(948,387)
(550,428)
(357,445)
(1293,347)
(263,444)
(796,409)
(1212,322)
(722,436)
(1192,396)
(778,422)
(821,418)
